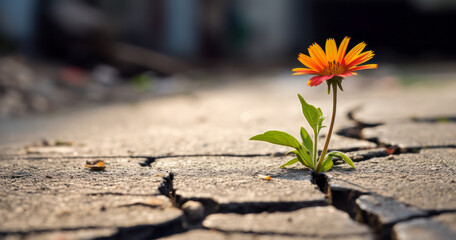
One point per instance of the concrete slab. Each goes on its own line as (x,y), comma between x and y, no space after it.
(47,213)
(448,220)
(44,193)
(59,175)
(382,213)
(387,210)
(206,122)
(304,222)
(215,235)
(421,229)
(163,140)
(414,135)
(234,182)
(405,106)
(425,180)
(67,235)
(47,198)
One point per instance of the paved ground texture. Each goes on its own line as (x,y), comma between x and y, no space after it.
(181,167)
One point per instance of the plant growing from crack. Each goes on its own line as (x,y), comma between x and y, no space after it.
(332,66)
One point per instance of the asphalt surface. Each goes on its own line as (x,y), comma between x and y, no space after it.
(182,167)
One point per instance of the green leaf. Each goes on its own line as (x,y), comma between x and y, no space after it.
(327,164)
(292,161)
(306,161)
(298,156)
(320,123)
(343,156)
(307,158)
(310,113)
(304,158)
(339,83)
(278,137)
(289,152)
(306,140)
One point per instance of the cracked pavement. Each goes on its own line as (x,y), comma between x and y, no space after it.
(217,188)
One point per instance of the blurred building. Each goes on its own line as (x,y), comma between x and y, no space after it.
(211,32)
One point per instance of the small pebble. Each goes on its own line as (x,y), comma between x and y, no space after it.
(193,210)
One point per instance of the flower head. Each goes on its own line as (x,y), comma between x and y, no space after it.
(333,62)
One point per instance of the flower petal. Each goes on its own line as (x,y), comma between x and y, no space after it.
(347,74)
(316,52)
(354,52)
(317,80)
(342,49)
(331,50)
(362,58)
(302,71)
(309,62)
(367,66)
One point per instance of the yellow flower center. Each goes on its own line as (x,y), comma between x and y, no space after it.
(334,67)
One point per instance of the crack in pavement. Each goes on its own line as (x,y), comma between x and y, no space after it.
(342,198)
(210,206)
(385,230)
(356,133)
(345,199)
(259,207)
(150,159)
(439,119)
(166,188)
(147,231)
(121,194)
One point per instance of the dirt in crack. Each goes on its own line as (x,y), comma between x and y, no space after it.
(147,162)
(321,180)
(195,209)
(343,199)
(439,119)
(167,189)
(356,131)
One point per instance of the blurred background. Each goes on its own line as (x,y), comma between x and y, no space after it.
(57,54)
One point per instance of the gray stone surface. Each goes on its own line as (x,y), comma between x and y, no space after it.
(448,220)
(414,135)
(59,175)
(46,192)
(305,222)
(57,213)
(363,155)
(425,180)
(382,213)
(386,210)
(66,235)
(236,180)
(202,123)
(52,195)
(402,106)
(215,235)
(422,229)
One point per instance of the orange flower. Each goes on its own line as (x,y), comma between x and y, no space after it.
(334,62)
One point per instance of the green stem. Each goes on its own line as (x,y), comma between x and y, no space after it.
(315,150)
(331,125)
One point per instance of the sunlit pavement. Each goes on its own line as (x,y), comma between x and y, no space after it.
(400,131)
